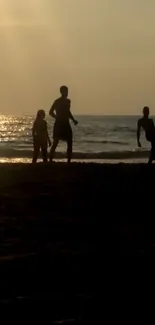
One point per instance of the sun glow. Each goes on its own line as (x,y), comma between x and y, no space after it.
(101,49)
(31,37)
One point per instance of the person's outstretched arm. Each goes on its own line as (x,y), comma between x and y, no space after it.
(138,133)
(152,123)
(52,109)
(71,116)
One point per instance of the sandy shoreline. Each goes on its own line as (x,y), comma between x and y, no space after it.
(53,217)
(5,160)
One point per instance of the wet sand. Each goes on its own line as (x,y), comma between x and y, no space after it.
(55,220)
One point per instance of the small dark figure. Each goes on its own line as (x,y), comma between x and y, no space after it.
(148,126)
(60,110)
(40,136)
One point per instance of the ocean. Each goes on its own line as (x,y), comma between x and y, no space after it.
(96,138)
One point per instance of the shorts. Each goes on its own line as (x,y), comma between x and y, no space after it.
(62,131)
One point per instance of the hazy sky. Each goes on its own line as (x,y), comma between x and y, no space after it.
(104,50)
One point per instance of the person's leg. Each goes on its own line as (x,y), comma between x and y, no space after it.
(36,151)
(53,148)
(152,152)
(69,149)
(150,158)
(44,153)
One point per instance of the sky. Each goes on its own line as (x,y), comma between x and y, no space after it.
(104,50)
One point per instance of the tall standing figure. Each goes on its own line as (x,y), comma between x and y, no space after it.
(60,110)
(148,126)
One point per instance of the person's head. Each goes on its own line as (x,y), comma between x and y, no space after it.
(41,114)
(64,91)
(146,111)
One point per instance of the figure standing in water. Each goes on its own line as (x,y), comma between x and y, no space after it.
(40,137)
(148,126)
(60,110)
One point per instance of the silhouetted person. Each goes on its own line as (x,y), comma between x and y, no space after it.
(148,126)
(40,137)
(60,110)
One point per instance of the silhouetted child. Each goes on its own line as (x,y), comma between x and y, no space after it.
(60,110)
(148,126)
(40,136)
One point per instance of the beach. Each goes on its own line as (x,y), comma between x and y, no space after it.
(54,219)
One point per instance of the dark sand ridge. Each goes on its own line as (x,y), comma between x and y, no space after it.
(53,221)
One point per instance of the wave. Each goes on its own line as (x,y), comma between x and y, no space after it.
(108,142)
(24,140)
(11,153)
(120,129)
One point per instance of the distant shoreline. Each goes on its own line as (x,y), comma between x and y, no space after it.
(32,114)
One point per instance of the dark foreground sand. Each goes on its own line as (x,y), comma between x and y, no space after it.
(60,226)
